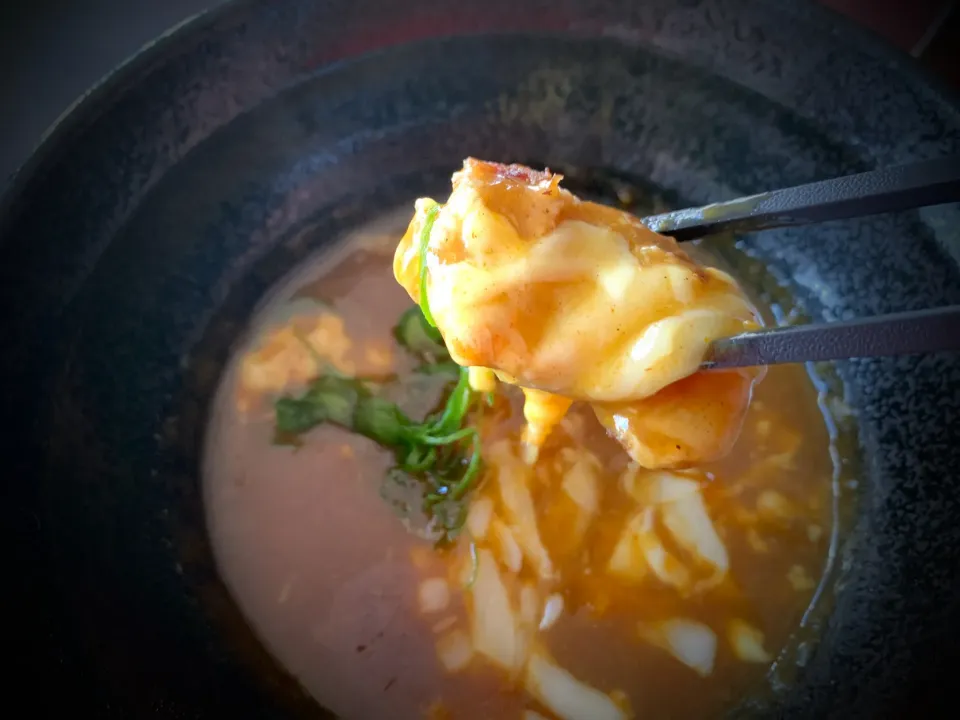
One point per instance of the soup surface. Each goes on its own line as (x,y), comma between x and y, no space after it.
(583,586)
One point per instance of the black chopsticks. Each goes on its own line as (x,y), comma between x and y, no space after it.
(902,187)
(909,333)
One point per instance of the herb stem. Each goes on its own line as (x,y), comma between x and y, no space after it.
(415,464)
(447,439)
(425,232)
(473,467)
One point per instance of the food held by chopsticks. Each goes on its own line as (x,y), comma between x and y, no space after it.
(572,300)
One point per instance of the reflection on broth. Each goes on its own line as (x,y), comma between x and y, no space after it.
(580,586)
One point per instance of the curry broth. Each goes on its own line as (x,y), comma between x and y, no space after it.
(321,561)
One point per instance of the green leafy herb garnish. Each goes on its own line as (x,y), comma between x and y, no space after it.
(440,451)
(415,334)
(428,221)
(329,399)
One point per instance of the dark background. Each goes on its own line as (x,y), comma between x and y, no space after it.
(52,51)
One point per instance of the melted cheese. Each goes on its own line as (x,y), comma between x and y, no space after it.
(575,301)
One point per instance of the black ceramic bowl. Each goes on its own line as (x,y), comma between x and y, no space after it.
(152,219)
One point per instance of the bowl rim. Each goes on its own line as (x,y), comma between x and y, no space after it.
(85,108)
(185,38)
